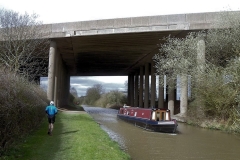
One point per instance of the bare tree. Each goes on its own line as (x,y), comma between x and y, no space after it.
(23,44)
(94,93)
(73,91)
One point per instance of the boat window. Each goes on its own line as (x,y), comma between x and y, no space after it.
(135,114)
(167,116)
(158,116)
(154,115)
(162,116)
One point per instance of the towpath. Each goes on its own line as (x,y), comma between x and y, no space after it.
(75,136)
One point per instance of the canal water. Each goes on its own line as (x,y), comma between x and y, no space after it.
(189,143)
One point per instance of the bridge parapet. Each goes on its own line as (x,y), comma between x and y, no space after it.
(193,21)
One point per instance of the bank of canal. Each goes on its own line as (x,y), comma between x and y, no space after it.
(188,143)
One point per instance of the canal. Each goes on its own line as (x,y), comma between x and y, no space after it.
(189,143)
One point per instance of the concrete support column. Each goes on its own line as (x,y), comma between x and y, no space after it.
(51,70)
(184,95)
(201,69)
(56,79)
(171,96)
(201,56)
(146,91)
(67,88)
(59,86)
(64,99)
(141,88)
(160,93)
(136,98)
(132,89)
(129,91)
(153,85)
(65,82)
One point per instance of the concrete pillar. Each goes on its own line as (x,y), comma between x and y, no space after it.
(132,89)
(129,93)
(51,70)
(67,87)
(64,99)
(184,95)
(141,88)
(160,95)
(146,90)
(153,85)
(201,69)
(60,94)
(136,98)
(56,79)
(59,86)
(171,96)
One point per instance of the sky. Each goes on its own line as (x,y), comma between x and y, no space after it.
(59,11)
(56,11)
(81,84)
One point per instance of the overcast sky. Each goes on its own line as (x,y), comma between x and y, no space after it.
(57,11)
(82,83)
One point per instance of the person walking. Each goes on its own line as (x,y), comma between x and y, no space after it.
(51,111)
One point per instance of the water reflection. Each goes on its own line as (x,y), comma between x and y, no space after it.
(189,142)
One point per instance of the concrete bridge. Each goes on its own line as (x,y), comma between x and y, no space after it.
(116,47)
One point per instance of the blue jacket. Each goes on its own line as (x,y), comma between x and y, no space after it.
(51,110)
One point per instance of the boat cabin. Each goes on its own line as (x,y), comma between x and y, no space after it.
(161,115)
(155,114)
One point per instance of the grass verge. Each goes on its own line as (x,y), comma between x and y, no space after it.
(75,136)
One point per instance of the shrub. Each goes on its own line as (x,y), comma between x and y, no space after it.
(21,107)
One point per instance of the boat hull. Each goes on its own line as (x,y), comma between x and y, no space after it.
(157,126)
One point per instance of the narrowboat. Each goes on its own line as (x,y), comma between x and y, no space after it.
(154,119)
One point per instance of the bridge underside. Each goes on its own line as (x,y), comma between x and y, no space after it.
(110,54)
